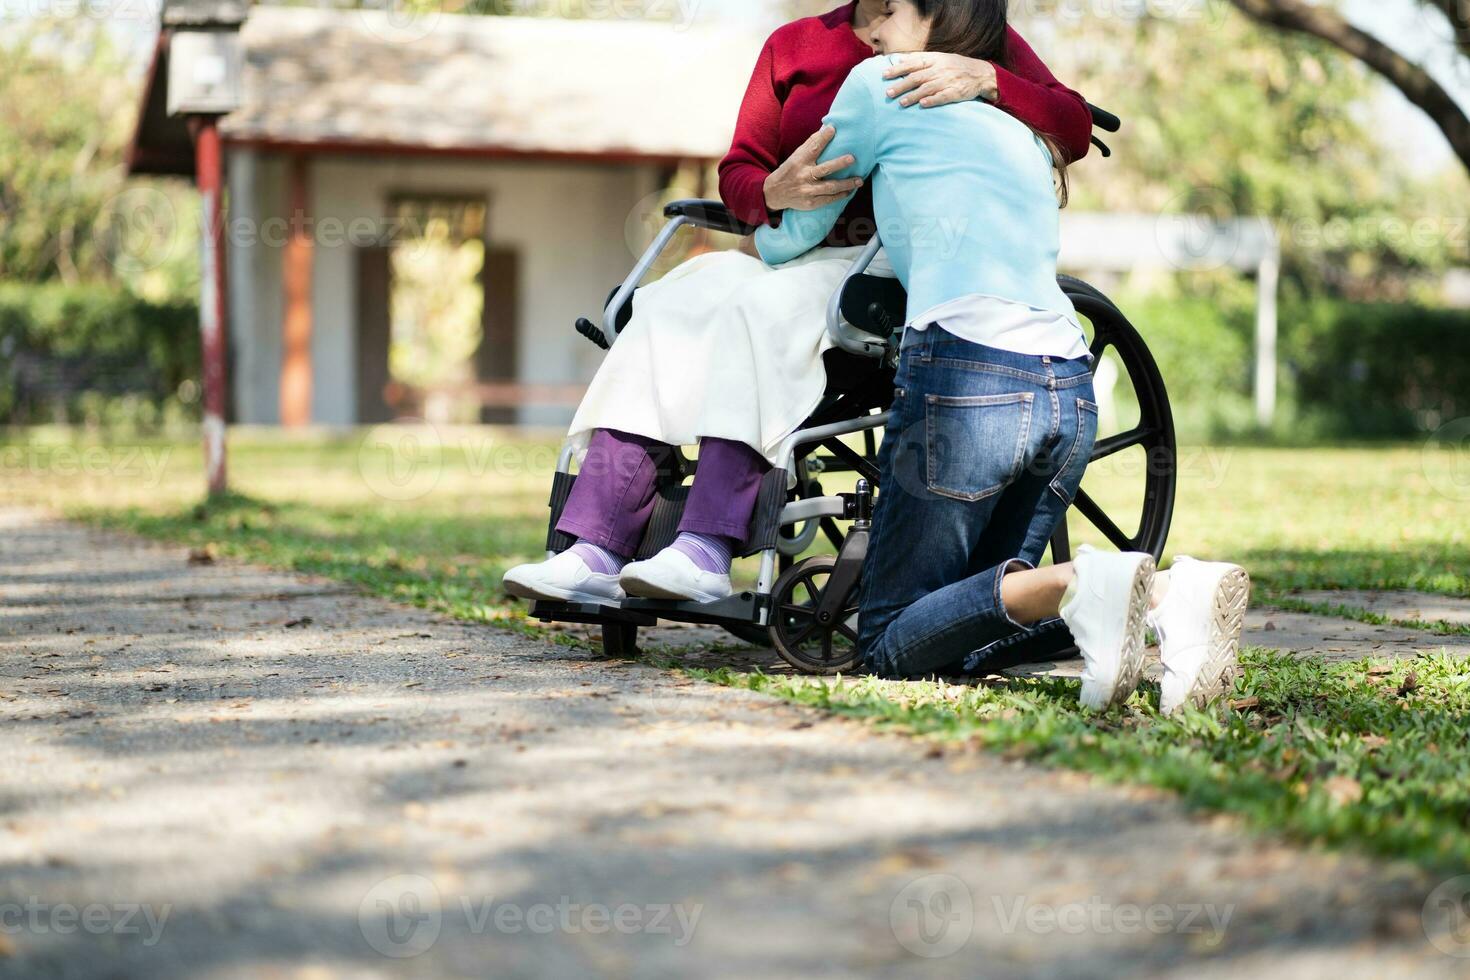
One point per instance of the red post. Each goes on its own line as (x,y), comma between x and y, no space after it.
(209,172)
(296,325)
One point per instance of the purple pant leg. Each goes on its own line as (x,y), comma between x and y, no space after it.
(726,485)
(612,500)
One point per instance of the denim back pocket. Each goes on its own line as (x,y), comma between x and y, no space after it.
(1079,454)
(976,445)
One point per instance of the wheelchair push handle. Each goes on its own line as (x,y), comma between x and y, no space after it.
(1104,120)
(708,214)
(701,214)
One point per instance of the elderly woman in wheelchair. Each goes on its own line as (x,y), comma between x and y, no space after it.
(993,421)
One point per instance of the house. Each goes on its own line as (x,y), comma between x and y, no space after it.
(548,138)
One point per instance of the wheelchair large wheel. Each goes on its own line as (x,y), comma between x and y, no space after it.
(811,646)
(1151,436)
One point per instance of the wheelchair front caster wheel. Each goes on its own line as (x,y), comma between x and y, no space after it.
(619,640)
(797,632)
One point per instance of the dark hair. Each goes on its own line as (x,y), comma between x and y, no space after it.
(973,28)
(978,29)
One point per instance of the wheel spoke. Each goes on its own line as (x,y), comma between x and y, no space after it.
(1090,510)
(827,646)
(802,634)
(1123,440)
(848,632)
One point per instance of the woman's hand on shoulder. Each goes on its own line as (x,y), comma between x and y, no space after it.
(803,184)
(935,78)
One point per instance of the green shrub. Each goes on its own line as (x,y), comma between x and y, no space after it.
(1347,370)
(92,353)
(1379,370)
(1203,349)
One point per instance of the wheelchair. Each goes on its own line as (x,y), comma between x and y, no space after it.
(804,602)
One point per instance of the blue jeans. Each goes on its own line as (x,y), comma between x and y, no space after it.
(982,458)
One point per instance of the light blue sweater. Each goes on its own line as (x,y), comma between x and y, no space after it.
(963,194)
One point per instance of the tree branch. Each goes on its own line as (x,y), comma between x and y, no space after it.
(1457,12)
(1418,86)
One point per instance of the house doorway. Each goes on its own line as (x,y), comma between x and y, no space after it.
(438,314)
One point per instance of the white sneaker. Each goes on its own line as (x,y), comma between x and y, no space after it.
(565,578)
(672,574)
(1106,608)
(1199,623)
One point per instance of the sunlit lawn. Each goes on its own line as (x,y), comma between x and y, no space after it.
(437,517)
(1365,755)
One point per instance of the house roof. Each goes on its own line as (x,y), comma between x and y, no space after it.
(369,81)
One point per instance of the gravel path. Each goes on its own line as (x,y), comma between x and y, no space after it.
(218,771)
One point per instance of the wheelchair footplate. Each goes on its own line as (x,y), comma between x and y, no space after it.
(740,609)
(738,614)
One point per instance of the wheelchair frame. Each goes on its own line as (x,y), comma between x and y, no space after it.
(750,609)
(749,614)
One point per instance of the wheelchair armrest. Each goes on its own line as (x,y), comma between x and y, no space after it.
(845,335)
(708,214)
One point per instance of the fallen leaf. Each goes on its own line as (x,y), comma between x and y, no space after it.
(203,556)
(1343,790)
(1411,683)
(295,623)
(1246,703)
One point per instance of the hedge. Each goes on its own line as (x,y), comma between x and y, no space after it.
(1380,370)
(1347,370)
(68,353)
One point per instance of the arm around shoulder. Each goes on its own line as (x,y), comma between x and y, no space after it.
(854,117)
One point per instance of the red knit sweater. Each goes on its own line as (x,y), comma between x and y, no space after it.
(800,69)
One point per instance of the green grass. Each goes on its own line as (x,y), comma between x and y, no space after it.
(1331,753)
(1364,755)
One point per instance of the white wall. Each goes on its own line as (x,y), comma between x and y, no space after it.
(566,220)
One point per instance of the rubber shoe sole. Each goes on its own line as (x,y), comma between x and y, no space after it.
(546,593)
(1130,656)
(1227,619)
(649,588)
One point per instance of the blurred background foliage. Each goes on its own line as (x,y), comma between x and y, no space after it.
(1222,118)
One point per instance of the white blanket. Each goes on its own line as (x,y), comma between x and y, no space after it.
(722,346)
